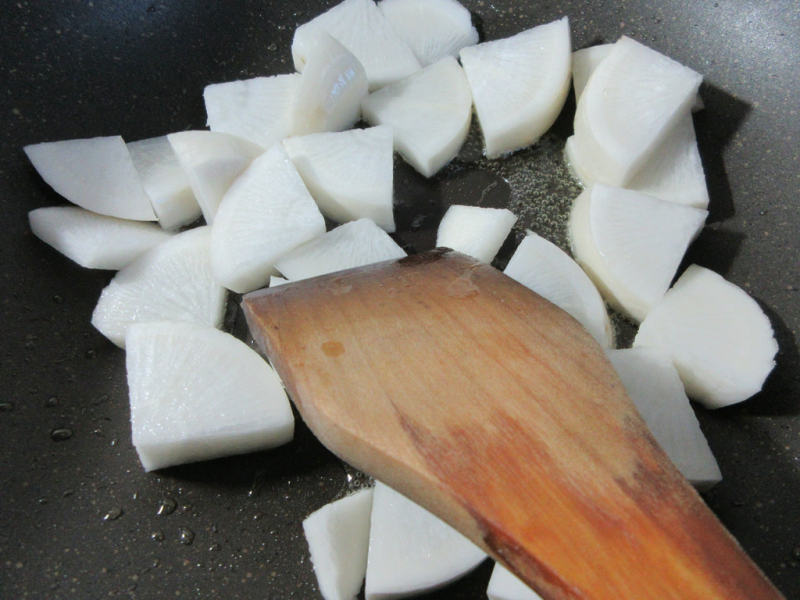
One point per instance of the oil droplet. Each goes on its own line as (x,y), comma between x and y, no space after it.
(61,434)
(333,349)
(214,547)
(58,299)
(157,536)
(113,514)
(51,402)
(186,536)
(6,406)
(42,500)
(166,506)
(113,442)
(91,353)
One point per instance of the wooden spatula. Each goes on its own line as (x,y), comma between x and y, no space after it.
(498,412)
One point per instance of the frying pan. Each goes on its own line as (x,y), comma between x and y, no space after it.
(80,519)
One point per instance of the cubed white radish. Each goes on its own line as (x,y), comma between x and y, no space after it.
(504,585)
(654,386)
(266,213)
(718,337)
(277,280)
(211,161)
(631,102)
(519,84)
(432,28)
(361,28)
(165,182)
(551,273)
(91,240)
(170,282)
(258,109)
(675,172)
(95,173)
(338,540)
(331,88)
(411,551)
(353,244)
(349,173)
(474,230)
(584,62)
(631,244)
(429,114)
(197,393)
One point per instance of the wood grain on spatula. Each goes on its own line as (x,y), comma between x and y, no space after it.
(498,412)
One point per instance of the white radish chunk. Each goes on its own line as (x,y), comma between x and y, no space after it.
(432,28)
(349,173)
(338,540)
(257,109)
(519,84)
(656,390)
(361,28)
(474,230)
(331,89)
(165,182)
(91,240)
(171,282)
(95,173)
(631,244)
(266,213)
(429,114)
(277,280)
(353,244)
(584,62)
(197,393)
(504,585)
(212,161)
(631,102)
(675,171)
(717,336)
(411,551)
(551,273)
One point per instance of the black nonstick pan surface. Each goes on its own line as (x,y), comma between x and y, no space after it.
(79,518)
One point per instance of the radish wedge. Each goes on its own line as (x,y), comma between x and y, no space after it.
(631,244)
(361,28)
(504,585)
(197,393)
(331,89)
(165,182)
(429,113)
(551,273)
(718,337)
(629,106)
(91,240)
(412,551)
(656,390)
(584,62)
(675,171)
(211,161)
(95,173)
(432,28)
(474,230)
(349,173)
(265,213)
(171,282)
(277,280)
(353,244)
(338,540)
(519,84)
(257,109)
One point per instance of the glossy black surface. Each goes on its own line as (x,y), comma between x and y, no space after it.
(80,519)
